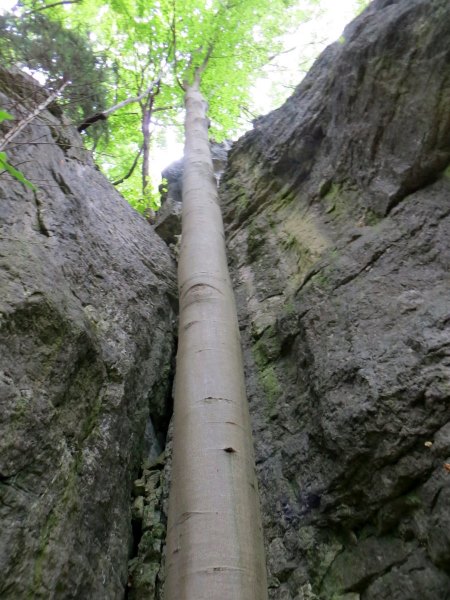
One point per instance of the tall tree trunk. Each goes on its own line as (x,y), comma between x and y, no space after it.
(214,545)
(147,111)
(146,118)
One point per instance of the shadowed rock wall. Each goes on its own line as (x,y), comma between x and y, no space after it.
(337,214)
(337,209)
(86,328)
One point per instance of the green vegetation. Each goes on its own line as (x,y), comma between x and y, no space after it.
(45,45)
(264,351)
(339,199)
(4,164)
(127,60)
(272,390)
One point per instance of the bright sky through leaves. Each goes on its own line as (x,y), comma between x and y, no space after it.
(282,75)
(312,37)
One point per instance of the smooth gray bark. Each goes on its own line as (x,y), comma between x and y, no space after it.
(214,546)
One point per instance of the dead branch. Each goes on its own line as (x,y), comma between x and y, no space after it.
(133,166)
(31,12)
(32,115)
(105,114)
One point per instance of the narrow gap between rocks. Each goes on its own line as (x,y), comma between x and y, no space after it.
(148,519)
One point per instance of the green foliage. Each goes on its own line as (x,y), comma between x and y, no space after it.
(136,36)
(5,116)
(169,39)
(114,49)
(4,164)
(46,46)
(243,36)
(146,202)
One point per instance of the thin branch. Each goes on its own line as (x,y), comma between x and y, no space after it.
(274,56)
(133,166)
(174,42)
(33,114)
(179,83)
(90,121)
(145,93)
(165,108)
(105,114)
(199,70)
(31,12)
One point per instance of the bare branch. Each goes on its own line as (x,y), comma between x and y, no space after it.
(274,56)
(105,114)
(90,121)
(204,64)
(133,166)
(165,108)
(33,114)
(31,12)
(36,143)
(145,93)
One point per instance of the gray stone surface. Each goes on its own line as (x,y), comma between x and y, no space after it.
(168,218)
(338,226)
(86,342)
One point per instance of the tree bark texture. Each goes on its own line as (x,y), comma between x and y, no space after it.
(214,546)
(146,120)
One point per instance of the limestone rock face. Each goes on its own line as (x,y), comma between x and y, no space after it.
(86,325)
(337,218)
(168,218)
(337,210)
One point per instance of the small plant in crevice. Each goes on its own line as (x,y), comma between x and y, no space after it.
(4,163)
(149,530)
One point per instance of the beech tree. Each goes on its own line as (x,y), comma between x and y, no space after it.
(215,546)
(214,542)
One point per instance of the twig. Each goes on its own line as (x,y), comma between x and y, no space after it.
(24,122)
(31,12)
(35,143)
(133,166)
(105,114)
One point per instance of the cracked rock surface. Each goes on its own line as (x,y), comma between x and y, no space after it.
(86,337)
(337,211)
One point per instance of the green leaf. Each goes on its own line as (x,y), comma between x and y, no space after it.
(4,164)
(5,116)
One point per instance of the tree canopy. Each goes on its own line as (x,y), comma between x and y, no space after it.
(118,50)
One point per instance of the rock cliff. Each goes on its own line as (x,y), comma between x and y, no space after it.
(338,218)
(87,313)
(338,229)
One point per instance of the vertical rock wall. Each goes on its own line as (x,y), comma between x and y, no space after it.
(337,211)
(86,324)
(338,222)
